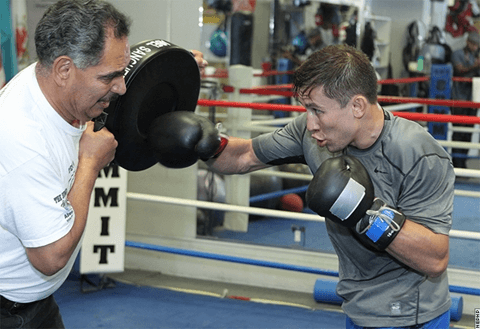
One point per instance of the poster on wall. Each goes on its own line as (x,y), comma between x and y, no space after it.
(19,15)
(2,71)
(103,246)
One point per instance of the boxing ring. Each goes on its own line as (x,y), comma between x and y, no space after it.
(239,121)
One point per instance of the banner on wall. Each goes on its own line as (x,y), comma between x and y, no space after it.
(2,71)
(9,59)
(19,14)
(103,246)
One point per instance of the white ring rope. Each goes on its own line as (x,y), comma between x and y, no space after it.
(275,122)
(259,126)
(282,174)
(467,172)
(307,177)
(258,211)
(461,145)
(464,129)
(290,175)
(402,107)
(224,207)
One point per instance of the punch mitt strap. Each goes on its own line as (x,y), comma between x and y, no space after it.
(160,78)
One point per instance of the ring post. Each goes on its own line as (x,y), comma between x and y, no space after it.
(238,186)
(440,88)
(475,98)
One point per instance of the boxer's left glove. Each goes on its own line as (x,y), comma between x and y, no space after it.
(342,191)
(180,138)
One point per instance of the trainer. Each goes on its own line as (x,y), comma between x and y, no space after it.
(51,156)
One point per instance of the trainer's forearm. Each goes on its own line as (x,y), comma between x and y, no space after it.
(79,197)
(53,257)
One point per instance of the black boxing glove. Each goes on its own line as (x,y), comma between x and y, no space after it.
(341,190)
(180,138)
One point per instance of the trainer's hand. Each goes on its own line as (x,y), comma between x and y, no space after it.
(202,63)
(97,149)
(180,138)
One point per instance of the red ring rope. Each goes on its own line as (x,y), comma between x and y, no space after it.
(272,72)
(260,91)
(381,82)
(381,99)
(288,86)
(224,74)
(430,117)
(462,79)
(254,106)
(428,101)
(404,80)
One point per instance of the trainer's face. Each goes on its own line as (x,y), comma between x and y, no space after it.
(330,125)
(96,86)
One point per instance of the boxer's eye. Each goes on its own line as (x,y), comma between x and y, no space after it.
(315,111)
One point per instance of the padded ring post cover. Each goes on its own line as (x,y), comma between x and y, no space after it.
(160,78)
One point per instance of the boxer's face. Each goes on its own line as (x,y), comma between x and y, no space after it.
(96,86)
(331,126)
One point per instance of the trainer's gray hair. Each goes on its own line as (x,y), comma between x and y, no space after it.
(77,29)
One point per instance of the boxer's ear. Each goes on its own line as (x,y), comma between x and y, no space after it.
(359,106)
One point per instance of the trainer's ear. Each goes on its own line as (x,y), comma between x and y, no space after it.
(360,105)
(62,70)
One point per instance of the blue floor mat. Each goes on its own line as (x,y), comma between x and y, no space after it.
(128,306)
(466,217)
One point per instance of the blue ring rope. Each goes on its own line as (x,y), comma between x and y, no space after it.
(272,195)
(249,261)
(232,259)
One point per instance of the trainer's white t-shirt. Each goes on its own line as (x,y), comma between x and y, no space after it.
(38,161)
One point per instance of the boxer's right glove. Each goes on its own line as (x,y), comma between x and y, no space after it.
(180,138)
(342,191)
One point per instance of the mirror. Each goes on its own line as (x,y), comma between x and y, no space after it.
(284,34)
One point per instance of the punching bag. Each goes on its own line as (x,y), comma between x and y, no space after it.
(241,34)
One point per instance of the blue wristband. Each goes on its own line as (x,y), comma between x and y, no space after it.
(377,229)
